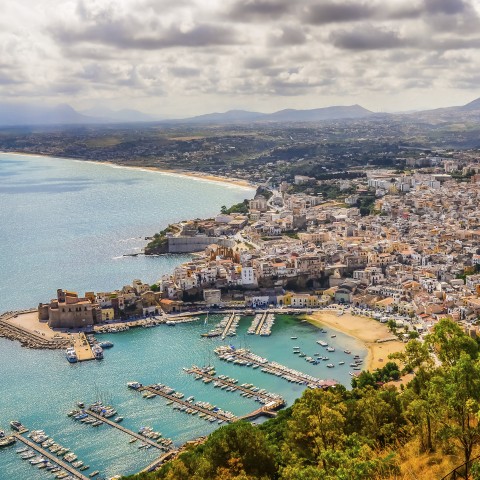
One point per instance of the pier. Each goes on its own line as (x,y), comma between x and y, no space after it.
(190,405)
(82,348)
(245,357)
(263,397)
(260,323)
(159,461)
(53,458)
(138,436)
(228,325)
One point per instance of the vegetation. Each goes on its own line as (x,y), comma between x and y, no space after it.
(374,431)
(159,242)
(241,208)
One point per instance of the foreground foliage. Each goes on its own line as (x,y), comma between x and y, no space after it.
(373,431)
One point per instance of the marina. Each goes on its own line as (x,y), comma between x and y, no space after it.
(51,457)
(246,358)
(209,411)
(247,390)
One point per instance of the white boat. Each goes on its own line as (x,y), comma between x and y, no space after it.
(71,355)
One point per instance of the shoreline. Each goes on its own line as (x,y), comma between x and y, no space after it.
(174,172)
(372,334)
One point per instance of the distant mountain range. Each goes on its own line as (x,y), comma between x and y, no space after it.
(20,114)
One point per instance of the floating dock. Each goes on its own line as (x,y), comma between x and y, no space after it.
(138,436)
(260,323)
(190,405)
(263,397)
(229,325)
(53,458)
(247,358)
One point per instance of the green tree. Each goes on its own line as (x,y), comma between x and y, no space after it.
(449,341)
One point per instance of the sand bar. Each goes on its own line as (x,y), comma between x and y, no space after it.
(365,329)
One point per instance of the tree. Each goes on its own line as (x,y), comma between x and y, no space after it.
(457,390)
(448,341)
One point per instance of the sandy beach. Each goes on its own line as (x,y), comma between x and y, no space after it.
(365,329)
(178,173)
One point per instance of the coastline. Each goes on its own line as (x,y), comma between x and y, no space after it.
(175,172)
(368,331)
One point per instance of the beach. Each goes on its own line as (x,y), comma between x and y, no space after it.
(370,332)
(179,173)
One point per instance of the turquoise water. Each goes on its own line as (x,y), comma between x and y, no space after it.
(67,223)
(40,387)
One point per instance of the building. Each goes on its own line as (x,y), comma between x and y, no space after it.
(68,310)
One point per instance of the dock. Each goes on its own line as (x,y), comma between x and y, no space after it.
(190,405)
(260,323)
(159,461)
(264,398)
(133,434)
(246,357)
(228,325)
(53,458)
(82,348)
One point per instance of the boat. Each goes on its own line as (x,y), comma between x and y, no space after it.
(7,441)
(134,385)
(341,363)
(330,349)
(348,352)
(170,323)
(94,474)
(330,365)
(322,343)
(293,338)
(118,419)
(97,352)
(16,425)
(71,355)
(106,344)
(332,336)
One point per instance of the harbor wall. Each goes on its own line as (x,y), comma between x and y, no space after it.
(196,244)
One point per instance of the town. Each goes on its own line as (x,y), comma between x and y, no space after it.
(412,257)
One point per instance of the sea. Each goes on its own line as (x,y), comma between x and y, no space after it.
(67,224)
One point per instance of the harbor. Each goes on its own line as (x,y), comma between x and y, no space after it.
(204,409)
(67,467)
(244,357)
(247,390)
(149,354)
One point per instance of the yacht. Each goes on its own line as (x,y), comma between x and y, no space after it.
(16,425)
(106,344)
(97,352)
(71,355)
(6,441)
(134,385)
(322,343)
(330,349)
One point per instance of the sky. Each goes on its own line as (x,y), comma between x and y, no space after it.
(186,57)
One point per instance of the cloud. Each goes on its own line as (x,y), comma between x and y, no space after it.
(251,10)
(369,38)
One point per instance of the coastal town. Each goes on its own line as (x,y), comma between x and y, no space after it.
(410,260)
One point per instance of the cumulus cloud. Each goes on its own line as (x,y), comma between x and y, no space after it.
(182,57)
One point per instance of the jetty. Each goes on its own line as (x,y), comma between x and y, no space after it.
(218,415)
(260,323)
(82,348)
(228,326)
(159,461)
(138,436)
(247,389)
(247,358)
(53,458)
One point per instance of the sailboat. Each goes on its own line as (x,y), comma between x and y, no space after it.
(206,319)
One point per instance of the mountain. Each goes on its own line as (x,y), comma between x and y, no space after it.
(125,115)
(288,115)
(319,114)
(232,116)
(12,114)
(474,105)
